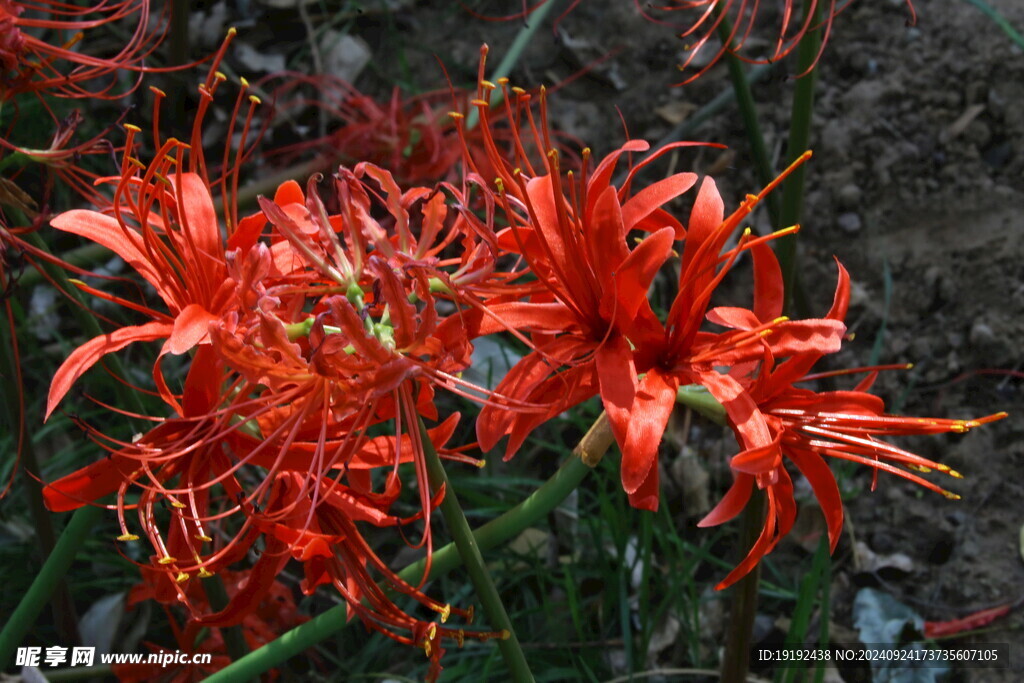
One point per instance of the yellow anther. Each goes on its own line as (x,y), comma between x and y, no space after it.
(432,631)
(460,637)
(132,127)
(505,634)
(951,495)
(204,573)
(426,647)
(182,577)
(220,76)
(232,31)
(157,91)
(498,183)
(780,319)
(480,464)
(244,81)
(950,471)
(908,366)
(919,468)
(445,613)
(503,80)
(517,90)
(127,537)
(746,232)
(178,504)
(204,538)
(488,85)
(456,115)
(167,560)
(469,615)
(480,103)
(255,100)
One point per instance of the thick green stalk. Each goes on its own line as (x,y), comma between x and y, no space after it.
(745,102)
(48,578)
(799,141)
(469,551)
(740,629)
(499,530)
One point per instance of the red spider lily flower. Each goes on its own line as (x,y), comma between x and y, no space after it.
(783,19)
(787,20)
(572,233)
(412,137)
(591,312)
(680,353)
(803,426)
(337,331)
(163,223)
(31,63)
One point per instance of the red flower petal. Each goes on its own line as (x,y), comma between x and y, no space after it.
(653,197)
(768,292)
(655,399)
(191,327)
(732,503)
(86,485)
(86,355)
(122,240)
(617,376)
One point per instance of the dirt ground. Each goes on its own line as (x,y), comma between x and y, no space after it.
(919,156)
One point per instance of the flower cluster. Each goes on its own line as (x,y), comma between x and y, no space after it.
(317,331)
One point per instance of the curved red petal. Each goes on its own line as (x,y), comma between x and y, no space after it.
(86,355)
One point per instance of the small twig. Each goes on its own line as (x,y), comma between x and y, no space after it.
(318,62)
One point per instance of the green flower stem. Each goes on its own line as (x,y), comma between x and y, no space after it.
(745,101)
(740,629)
(63,606)
(799,141)
(696,397)
(468,549)
(515,51)
(48,578)
(499,530)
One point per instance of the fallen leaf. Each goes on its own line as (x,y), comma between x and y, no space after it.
(675,112)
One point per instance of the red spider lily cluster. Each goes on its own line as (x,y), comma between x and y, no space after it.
(318,331)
